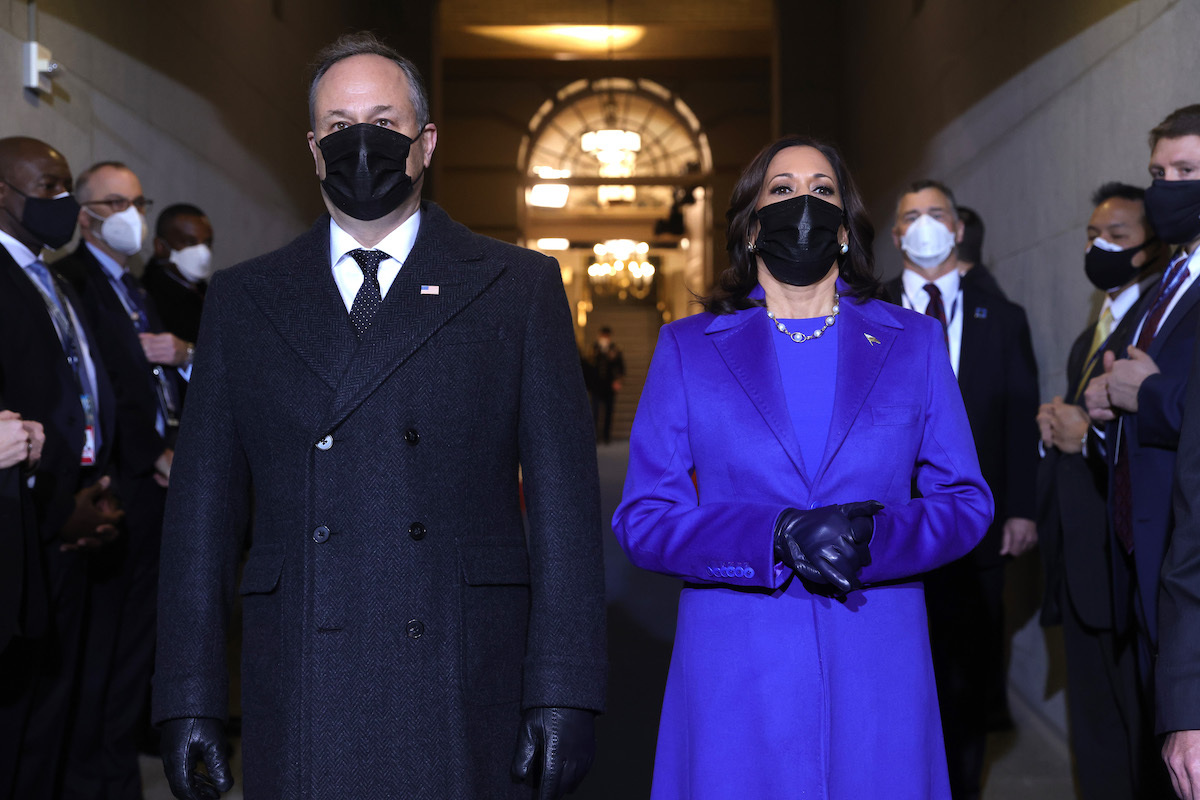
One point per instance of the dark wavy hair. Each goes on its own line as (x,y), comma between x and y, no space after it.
(857,265)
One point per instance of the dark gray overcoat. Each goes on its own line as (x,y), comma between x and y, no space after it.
(397,617)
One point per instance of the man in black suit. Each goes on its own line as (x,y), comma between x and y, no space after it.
(1107,740)
(1160,436)
(379,381)
(1140,397)
(177,277)
(989,346)
(608,368)
(51,371)
(119,645)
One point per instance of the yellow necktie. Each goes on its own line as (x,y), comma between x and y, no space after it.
(1099,337)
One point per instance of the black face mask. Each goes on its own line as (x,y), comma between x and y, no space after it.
(1108,270)
(1173,208)
(797,239)
(364,170)
(49,220)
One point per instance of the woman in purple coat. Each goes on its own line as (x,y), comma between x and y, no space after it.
(800,456)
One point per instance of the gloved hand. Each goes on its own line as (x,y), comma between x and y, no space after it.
(187,740)
(827,545)
(562,742)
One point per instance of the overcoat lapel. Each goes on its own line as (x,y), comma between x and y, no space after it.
(973,360)
(445,255)
(744,342)
(301,300)
(863,345)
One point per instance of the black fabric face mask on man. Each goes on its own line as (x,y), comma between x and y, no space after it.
(365,170)
(797,239)
(50,220)
(1108,269)
(1173,208)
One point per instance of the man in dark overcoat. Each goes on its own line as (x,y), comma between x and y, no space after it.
(379,381)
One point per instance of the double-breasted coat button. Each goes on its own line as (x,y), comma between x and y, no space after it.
(412,437)
(321,535)
(416,531)
(325,443)
(415,628)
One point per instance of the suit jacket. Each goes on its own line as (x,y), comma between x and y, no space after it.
(178,305)
(981,278)
(393,603)
(1073,507)
(1150,440)
(997,374)
(22,588)
(139,443)
(1177,670)
(38,383)
(775,691)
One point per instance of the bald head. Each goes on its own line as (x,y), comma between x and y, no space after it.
(29,168)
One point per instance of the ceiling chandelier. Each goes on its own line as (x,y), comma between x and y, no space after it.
(621,268)
(614,148)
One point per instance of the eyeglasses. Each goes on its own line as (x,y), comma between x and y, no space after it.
(119,204)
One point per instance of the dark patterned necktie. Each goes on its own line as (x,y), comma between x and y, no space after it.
(1172,279)
(367,301)
(937,309)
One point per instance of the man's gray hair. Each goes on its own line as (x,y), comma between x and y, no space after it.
(365,43)
(83,191)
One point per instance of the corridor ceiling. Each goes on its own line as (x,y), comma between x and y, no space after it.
(577,29)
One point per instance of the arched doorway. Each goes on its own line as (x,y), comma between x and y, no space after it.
(617,188)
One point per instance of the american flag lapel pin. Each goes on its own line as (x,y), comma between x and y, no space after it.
(429,289)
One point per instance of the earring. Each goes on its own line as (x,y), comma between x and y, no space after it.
(845,248)
(750,246)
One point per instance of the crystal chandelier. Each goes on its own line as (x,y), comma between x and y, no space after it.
(621,268)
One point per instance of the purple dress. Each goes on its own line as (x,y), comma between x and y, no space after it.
(774,691)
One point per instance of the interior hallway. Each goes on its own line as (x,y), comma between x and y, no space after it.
(1029,763)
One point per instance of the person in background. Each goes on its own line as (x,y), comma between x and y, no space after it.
(988,344)
(608,368)
(143,362)
(772,466)
(50,371)
(1123,257)
(970,254)
(176,278)
(1140,400)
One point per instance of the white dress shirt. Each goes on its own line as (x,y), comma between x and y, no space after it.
(348,275)
(950,285)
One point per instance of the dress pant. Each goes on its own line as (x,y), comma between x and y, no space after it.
(966,636)
(119,652)
(37,683)
(1103,708)
(602,413)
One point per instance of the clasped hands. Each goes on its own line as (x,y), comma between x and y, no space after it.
(827,546)
(21,441)
(1117,389)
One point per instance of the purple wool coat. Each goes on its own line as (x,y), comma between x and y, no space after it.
(774,691)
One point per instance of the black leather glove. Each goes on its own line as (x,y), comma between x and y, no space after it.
(827,545)
(555,748)
(188,740)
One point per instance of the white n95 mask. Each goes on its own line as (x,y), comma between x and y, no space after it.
(195,262)
(927,242)
(125,231)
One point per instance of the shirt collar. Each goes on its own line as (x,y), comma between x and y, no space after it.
(1120,305)
(397,244)
(19,252)
(111,267)
(948,284)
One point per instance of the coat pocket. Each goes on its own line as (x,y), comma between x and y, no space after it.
(495,622)
(895,415)
(262,571)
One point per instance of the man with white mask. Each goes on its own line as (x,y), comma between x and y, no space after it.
(177,276)
(145,365)
(990,349)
